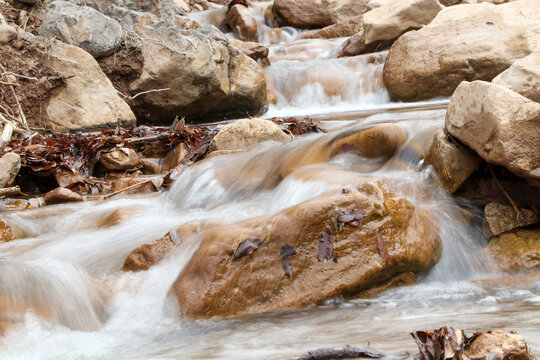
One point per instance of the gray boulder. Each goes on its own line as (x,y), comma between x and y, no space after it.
(83,27)
(10,164)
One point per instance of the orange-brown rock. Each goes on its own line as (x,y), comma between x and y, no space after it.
(501,218)
(392,238)
(137,185)
(377,142)
(345,28)
(6,234)
(61,195)
(143,257)
(498,345)
(517,251)
(174,157)
(242,22)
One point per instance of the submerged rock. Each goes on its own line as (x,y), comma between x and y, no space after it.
(83,27)
(214,284)
(463,42)
(500,125)
(247,133)
(452,162)
(523,77)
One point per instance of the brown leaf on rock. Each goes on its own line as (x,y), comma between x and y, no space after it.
(351,217)
(443,344)
(383,251)
(246,247)
(287,250)
(326,246)
(286,265)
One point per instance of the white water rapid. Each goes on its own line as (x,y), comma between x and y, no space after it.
(68,298)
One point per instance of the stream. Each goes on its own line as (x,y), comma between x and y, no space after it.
(66,270)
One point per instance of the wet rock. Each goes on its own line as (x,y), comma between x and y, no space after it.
(355,45)
(7,33)
(143,257)
(344,28)
(196,73)
(65,177)
(316,13)
(375,142)
(120,159)
(242,22)
(516,251)
(501,218)
(523,77)
(83,27)
(10,164)
(6,234)
(151,166)
(463,42)
(214,285)
(247,133)
(61,195)
(87,99)
(405,279)
(498,344)
(452,162)
(137,185)
(500,125)
(254,50)
(391,19)
(116,217)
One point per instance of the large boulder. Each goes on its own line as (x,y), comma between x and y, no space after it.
(194,73)
(337,244)
(516,251)
(10,164)
(81,26)
(452,162)
(523,77)
(463,42)
(392,18)
(500,125)
(85,100)
(247,133)
(316,13)
(498,345)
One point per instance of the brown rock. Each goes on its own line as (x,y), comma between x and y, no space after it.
(65,177)
(463,42)
(151,166)
(523,77)
(61,195)
(510,346)
(215,284)
(316,13)
(355,45)
(116,217)
(500,125)
(242,22)
(344,28)
(120,159)
(501,218)
(517,251)
(174,157)
(137,185)
(6,234)
(452,162)
(247,133)
(143,257)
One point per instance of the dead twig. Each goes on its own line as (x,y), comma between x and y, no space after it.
(5,138)
(21,113)
(512,202)
(148,91)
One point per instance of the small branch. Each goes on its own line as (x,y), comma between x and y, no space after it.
(9,83)
(148,91)
(21,113)
(147,138)
(14,190)
(514,205)
(128,188)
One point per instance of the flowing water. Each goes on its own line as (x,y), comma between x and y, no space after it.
(66,297)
